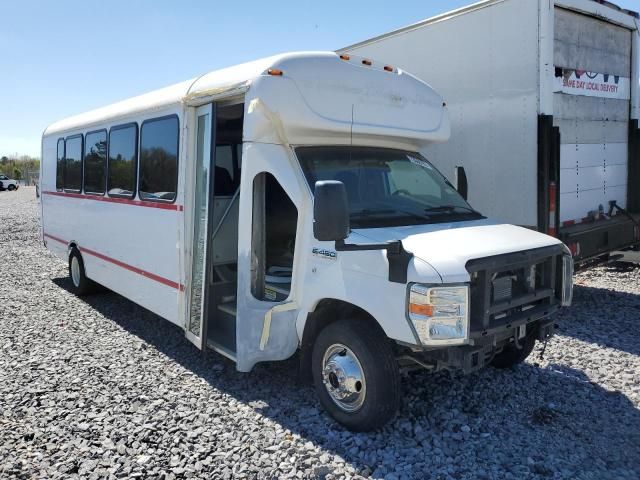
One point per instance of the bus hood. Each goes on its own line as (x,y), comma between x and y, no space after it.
(447,247)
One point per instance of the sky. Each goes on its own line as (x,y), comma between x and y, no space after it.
(59,58)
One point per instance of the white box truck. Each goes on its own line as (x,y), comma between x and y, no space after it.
(282,205)
(544,104)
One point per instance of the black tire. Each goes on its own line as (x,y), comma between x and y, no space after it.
(80,285)
(512,355)
(380,373)
(11,187)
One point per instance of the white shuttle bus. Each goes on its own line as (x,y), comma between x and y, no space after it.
(196,202)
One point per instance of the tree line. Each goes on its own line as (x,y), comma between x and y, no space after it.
(16,167)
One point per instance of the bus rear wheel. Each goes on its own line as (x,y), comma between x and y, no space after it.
(356,375)
(81,285)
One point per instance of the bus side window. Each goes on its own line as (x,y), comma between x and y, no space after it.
(275,219)
(95,162)
(73,164)
(159,159)
(121,167)
(60,166)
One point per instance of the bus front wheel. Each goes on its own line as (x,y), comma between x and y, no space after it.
(356,374)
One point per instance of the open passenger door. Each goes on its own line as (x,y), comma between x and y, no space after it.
(196,330)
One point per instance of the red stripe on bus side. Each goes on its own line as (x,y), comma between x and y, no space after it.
(126,201)
(126,266)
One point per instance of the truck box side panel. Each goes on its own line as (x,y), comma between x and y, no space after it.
(593,128)
(484,62)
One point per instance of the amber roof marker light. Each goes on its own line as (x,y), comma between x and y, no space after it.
(388,68)
(345,57)
(367,62)
(275,72)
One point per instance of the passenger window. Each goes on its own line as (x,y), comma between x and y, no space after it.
(95,162)
(122,161)
(275,219)
(226,176)
(60,166)
(223,174)
(73,164)
(159,159)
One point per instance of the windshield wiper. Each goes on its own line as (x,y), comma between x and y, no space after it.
(451,209)
(367,212)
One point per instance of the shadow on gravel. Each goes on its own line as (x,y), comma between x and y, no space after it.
(534,422)
(605,317)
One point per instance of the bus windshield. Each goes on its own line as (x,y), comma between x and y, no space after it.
(386,187)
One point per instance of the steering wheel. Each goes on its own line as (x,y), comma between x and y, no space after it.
(402,191)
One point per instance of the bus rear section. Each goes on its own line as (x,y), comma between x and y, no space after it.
(599,191)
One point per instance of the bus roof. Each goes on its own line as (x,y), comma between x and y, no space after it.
(237,77)
(320,98)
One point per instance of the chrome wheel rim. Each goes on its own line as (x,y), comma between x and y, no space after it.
(343,377)
(75,271)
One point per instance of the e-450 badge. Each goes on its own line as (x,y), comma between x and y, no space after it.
(321,252)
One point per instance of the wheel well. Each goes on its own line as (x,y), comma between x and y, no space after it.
(327,311)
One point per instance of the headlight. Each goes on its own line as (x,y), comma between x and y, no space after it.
(440,315)
(567,280)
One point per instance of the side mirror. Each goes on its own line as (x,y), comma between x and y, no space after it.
(461,182)
(330,211)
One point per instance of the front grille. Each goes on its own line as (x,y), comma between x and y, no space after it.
(502,288)
(511,287)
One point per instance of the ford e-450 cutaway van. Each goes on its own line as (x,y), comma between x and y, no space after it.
(281,206)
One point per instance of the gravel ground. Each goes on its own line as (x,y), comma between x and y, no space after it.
(102,388)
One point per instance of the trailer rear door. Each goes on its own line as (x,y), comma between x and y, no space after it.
(592,60)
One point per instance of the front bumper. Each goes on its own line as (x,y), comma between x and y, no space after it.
(469,358)
(511,295)
(505,291)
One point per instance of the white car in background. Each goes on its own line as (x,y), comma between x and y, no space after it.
(7,183)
